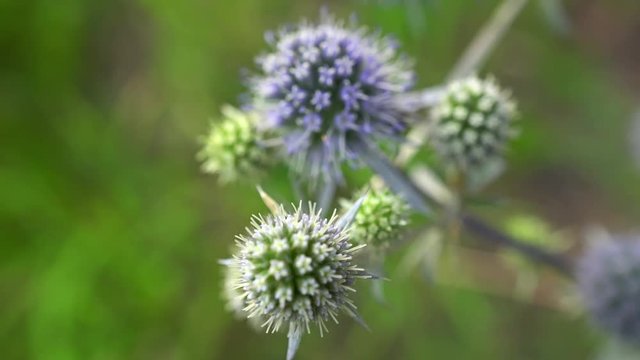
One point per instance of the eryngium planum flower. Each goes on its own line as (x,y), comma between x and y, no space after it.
(321,84)
(473,122)
(609,280)
(381,219)
(295,269)
(234,148)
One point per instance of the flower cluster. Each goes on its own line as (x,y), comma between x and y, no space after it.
(322,83)
(295,269)
(609,279)
(473,122)
(381,219)
(234,147)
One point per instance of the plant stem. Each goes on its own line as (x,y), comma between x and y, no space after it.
(474,56)
(484,231)
(487,38)
(326,194)
(422,202)
(393,177)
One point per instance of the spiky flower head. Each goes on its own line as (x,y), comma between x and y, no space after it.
(381,218)
(609,280)
(234,147)
(320,84)
(296,269)
(473,122)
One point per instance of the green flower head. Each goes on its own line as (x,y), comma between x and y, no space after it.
(234,148)
(381,219)
(473,122)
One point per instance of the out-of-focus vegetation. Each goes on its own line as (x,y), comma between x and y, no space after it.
(110,235)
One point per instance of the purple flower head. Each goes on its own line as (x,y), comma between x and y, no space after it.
(324,83)
(609,279)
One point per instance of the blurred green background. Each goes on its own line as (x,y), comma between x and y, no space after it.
(110,235)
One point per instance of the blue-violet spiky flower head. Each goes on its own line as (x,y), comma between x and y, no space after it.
(473,122)
(296,269)
(381,219)
(609,279)
(322,83)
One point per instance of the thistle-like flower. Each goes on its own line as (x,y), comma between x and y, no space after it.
(322,84)
(380,220)
(295,269)
(473,122)
(234,147)
(609,280)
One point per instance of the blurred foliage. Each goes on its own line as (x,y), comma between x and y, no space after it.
(111,236)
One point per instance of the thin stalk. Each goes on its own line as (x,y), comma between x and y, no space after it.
(326,194)
(398,182)
(487,38)
(484,231)
(395,179)
(474,56)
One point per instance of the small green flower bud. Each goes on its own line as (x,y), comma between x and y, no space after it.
(473,122)
(381,219)
(234,147)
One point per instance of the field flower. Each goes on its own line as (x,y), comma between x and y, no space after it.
(322,84)
(296,269)
(380,220)
(609,280)
(234,148)
(473,122)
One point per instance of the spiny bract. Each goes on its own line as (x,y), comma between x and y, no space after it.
(322,83)
(296,269)
(234,148)
(473,122)
(609,279)
(381,219)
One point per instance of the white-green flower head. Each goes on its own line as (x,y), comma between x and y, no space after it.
(473,122)
(296,269)
(381,219)
(234,147)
